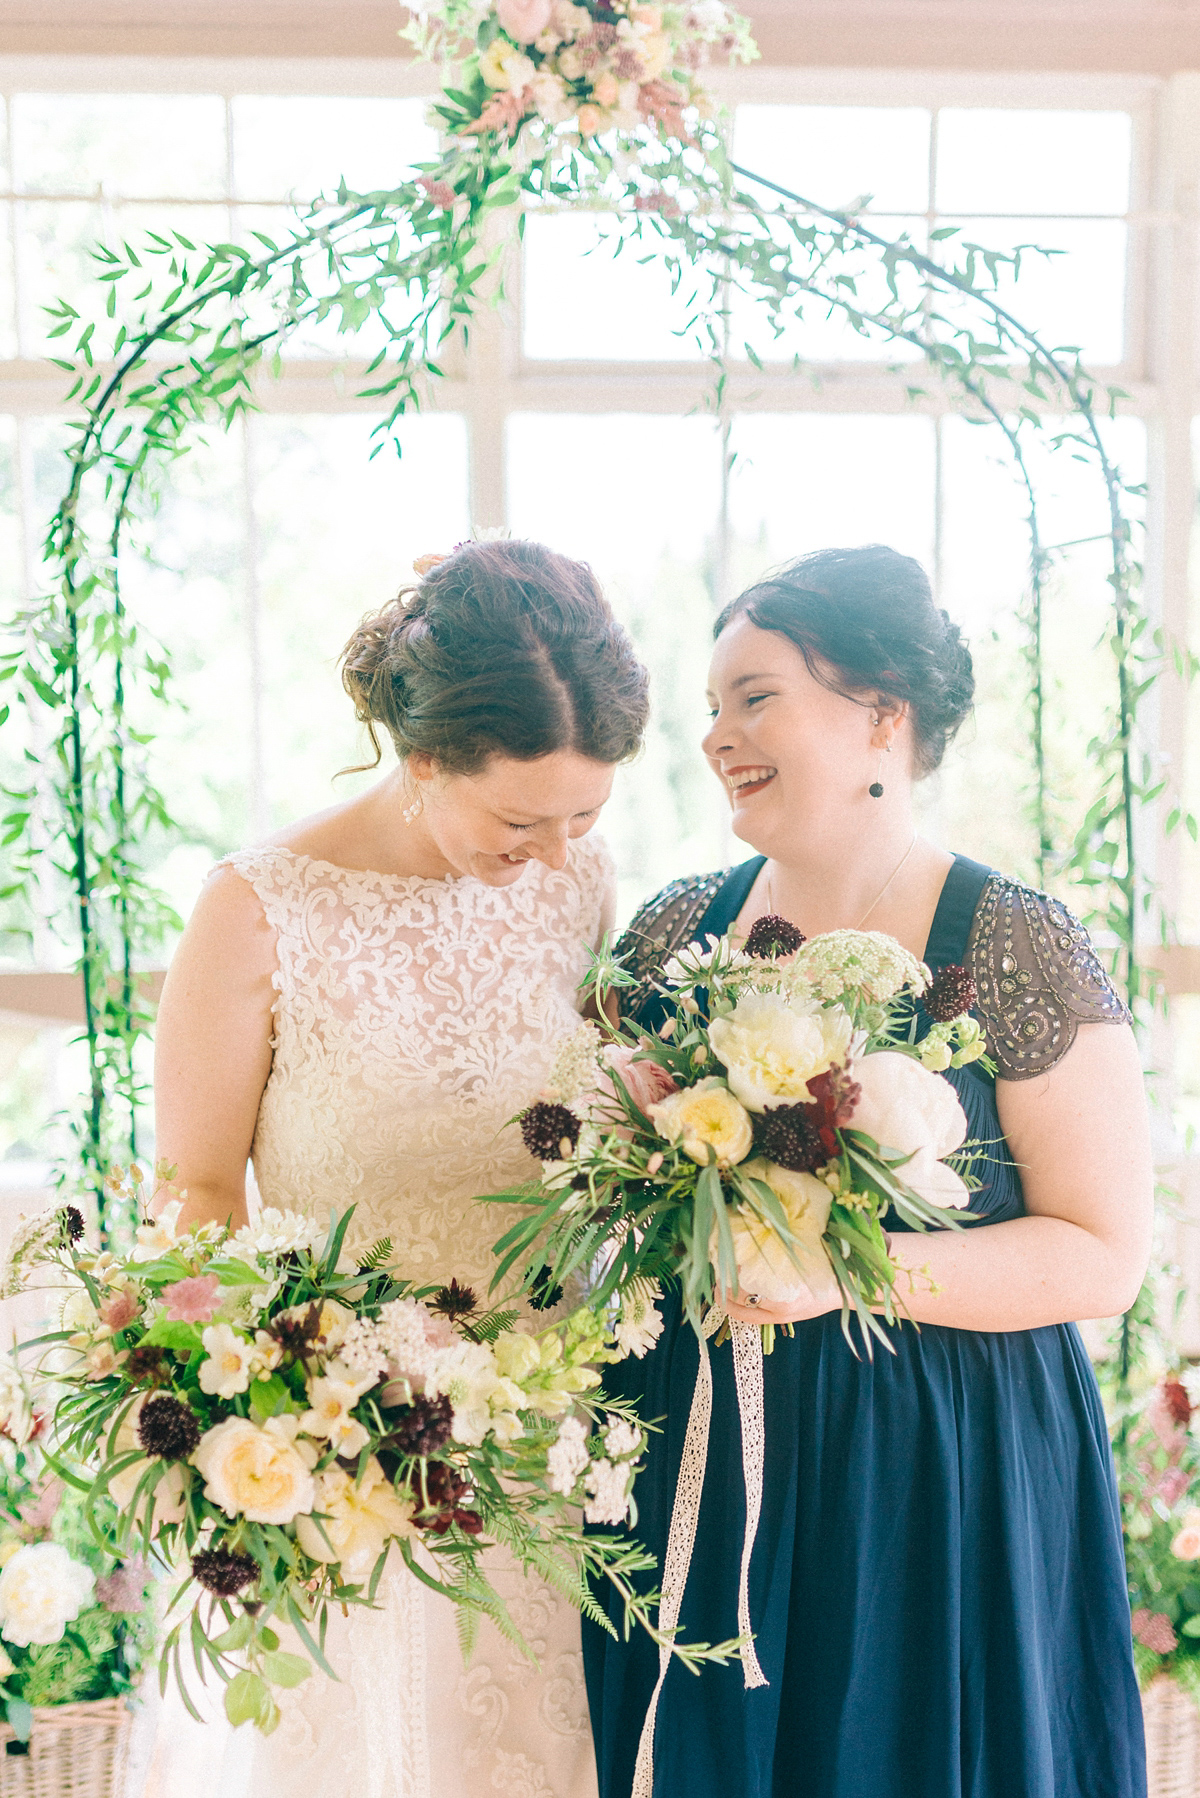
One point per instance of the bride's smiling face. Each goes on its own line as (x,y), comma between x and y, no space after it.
(789,751)
(491,823)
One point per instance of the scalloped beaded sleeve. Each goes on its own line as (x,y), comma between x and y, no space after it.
(663,926)
(1038,978)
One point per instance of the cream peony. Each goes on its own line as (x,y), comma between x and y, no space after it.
(772,1049)
(357,1519)
(260,1474)
(169,1498)
(764,1265)
(42,1590)
(705,1116)
(524,19)
(907,1108)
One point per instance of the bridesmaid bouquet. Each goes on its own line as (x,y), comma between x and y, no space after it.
(755,1144)
(600,66)
(268,1417)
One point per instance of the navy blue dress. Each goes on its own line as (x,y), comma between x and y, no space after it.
(938,1585)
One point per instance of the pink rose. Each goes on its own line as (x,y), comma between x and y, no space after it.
(645,1081)
(1154,1631)
(192,1301)
(524,20)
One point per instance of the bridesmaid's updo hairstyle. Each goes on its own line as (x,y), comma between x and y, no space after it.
(864,619)
(504,648)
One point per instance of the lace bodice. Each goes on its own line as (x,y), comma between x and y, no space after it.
(414,1017)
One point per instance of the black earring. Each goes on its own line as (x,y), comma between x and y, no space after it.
(876,787)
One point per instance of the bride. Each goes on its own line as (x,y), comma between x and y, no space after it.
(357,1007)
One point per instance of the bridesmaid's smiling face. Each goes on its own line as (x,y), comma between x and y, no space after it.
(789,751)
(491,823)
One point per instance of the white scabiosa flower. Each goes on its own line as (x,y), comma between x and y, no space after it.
(42,1590)
(640,1324)
(467,1375)
(275,1232)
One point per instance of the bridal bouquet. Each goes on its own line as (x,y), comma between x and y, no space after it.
(269,1417)
(755,1145)
(598,66)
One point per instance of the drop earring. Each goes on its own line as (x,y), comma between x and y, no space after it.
(413,811)
(876,787)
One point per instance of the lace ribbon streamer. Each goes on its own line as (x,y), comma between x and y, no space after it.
(685,1513)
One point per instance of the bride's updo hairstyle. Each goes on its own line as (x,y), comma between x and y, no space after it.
(505,648)
(864,620)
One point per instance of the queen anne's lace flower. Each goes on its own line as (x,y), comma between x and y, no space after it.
(567,1456)
(622,1438)
(575,1072)
(607,1486)
(862,964)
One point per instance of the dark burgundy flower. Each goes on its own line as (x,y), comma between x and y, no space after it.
(71,1220)
(953,991)
(1176,1401)
(146,1365)
(167,1428)
(773,935)
(295,1334)
(549,1131)
(222,1572)
(789,1135)
(446,1490)
(453,1301)
(421,1428)
(543,1293)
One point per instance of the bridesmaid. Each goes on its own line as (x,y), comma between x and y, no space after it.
(937,1586)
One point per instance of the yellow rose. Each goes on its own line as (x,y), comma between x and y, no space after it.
(357,1519)
(703,1116)
(260,1474)
(773,1048)
(764,1265)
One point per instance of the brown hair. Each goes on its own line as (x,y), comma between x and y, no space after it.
(869,615)
(504,648)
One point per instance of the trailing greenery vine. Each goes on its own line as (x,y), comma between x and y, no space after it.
(187,329)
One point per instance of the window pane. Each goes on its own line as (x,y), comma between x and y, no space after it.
(1074,298)
(837,154)
(8,292)
(1007,161)
(579,301)
(823,331)
(580,485)
(813,481)
(135,144)
(300,147)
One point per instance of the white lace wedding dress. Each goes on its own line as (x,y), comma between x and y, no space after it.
(413,1018)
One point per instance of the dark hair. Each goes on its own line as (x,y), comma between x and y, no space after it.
(504,648)
(869,614)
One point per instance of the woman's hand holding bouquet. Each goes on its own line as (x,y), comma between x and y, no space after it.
(754,1146)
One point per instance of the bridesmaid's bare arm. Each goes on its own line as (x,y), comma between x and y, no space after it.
(212,1052)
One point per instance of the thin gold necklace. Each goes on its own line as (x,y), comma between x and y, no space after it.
(879,895)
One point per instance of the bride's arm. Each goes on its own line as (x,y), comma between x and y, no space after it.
(1081,1138)
(212,1048)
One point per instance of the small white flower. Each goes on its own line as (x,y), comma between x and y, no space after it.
(607,1485)
(640,1324)
(567,1456)
(275,1232)
(467,1375)
(622,1438)
(159,1235)
(230,1361)
(332,1401)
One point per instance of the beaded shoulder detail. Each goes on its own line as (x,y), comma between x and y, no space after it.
(1038,977)
(663,926)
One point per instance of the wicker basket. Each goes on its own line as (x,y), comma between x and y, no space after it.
(1172,1740)
(75,1751)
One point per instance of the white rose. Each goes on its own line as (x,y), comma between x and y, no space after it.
(705,1116)
(357,1519)
(42,1590)
(764,1265)
(772,1049)
(260,1474)
(230,1363)
(908,1109)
